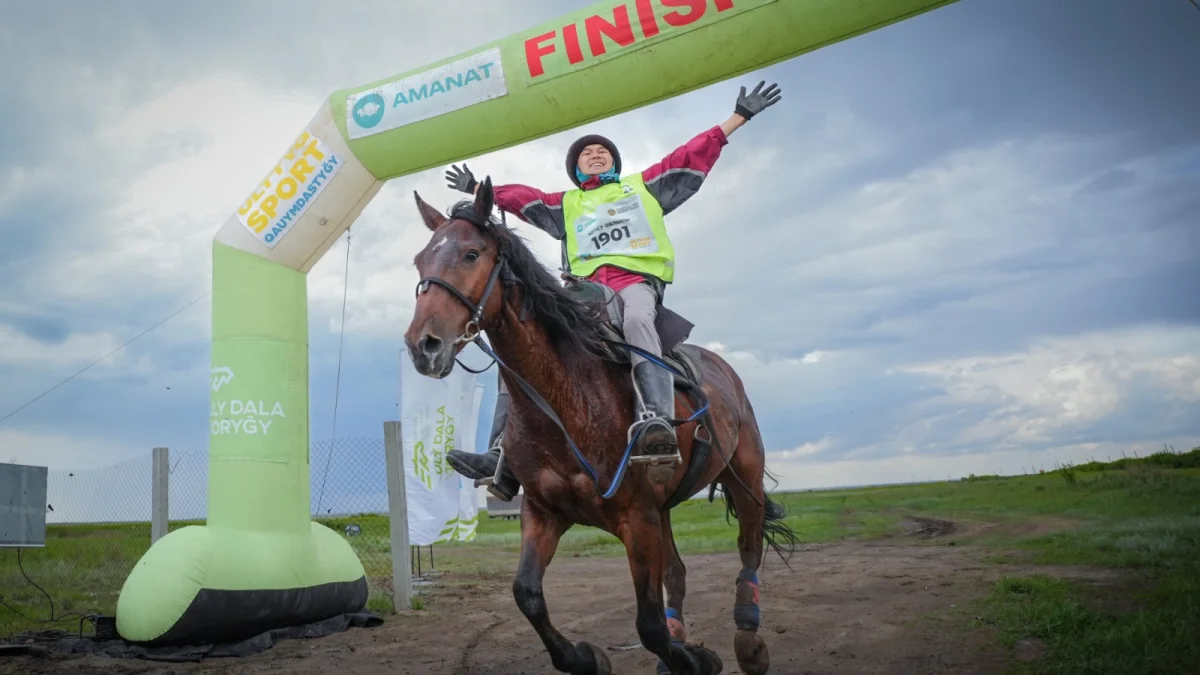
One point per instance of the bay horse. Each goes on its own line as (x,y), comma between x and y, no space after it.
(567,382)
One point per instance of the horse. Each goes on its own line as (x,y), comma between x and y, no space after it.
(567,381)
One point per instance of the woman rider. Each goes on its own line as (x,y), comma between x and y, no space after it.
(613,234)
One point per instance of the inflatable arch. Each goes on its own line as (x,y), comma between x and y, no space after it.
(260,563)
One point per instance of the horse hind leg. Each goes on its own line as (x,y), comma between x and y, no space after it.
(749,647)
(757,517)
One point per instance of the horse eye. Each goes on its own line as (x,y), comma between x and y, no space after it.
(471,256)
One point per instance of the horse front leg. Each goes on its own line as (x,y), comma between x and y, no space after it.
(675,582)
(540,533)
(645,548)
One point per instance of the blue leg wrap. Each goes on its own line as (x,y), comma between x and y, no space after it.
(746,614)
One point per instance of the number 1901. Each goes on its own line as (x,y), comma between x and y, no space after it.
(605,238)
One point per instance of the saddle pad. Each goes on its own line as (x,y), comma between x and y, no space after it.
(672,328)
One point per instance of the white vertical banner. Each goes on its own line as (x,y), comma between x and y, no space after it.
(437,416)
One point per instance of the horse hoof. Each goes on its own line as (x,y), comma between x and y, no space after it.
(707,660)
(751,653)
(603,667)
(663,668)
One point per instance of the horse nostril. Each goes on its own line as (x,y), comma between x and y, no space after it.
(430,346)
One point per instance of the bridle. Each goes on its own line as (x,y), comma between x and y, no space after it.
(472,329)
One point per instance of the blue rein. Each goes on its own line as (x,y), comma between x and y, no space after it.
(549,411)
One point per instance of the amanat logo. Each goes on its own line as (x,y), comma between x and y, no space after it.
(618,28)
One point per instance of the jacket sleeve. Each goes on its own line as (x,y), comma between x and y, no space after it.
(540,209)
(680,174)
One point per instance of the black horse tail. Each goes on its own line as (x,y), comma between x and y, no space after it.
(776,532)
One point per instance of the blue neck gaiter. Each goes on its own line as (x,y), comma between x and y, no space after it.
(609,176)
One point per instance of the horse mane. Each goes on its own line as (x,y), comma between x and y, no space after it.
(573,326)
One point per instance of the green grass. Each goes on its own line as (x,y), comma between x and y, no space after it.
(1157,635)
(1145,520)
(1140,516)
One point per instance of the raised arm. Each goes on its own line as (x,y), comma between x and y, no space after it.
(680,174)
(543,210)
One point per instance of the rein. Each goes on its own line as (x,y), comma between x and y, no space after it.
(471,333)
(546,408)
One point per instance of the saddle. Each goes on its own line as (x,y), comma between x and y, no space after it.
(672,330)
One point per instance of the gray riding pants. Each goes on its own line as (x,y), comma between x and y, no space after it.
(640,308)
(641,305)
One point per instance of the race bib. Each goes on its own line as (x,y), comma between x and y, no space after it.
(615,228)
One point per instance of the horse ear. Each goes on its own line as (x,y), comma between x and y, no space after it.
(484,199)
(433,219)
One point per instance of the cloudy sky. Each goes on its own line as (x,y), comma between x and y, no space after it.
(969,242)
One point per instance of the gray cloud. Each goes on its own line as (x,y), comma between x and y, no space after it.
(979,181)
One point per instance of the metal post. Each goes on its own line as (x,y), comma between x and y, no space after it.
(159,490)
(402,592)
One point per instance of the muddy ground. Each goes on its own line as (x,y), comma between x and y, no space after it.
(901,605)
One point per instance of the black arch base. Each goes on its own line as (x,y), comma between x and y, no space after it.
(216,617)
(243,623)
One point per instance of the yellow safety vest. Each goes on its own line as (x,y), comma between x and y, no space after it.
(618,224)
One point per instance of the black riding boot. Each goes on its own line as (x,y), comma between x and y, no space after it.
(657,446)
(476,466)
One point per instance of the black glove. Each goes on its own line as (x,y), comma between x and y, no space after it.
(749,105)
(461,179)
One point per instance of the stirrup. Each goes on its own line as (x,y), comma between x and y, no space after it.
(655,460)
(490,483)
(646,419)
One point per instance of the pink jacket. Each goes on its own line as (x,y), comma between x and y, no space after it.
(672,181)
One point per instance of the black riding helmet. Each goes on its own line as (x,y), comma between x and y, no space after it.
(577,149)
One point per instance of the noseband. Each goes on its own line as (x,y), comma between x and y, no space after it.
(471,330)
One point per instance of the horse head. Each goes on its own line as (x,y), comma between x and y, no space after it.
(459,269)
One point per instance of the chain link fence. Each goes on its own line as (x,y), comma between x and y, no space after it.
(350,496)
(98,527)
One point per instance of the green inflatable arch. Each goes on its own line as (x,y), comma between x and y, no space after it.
(260,563)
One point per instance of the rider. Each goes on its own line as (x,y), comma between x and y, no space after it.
(613,234)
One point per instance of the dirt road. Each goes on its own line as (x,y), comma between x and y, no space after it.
(886,607)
